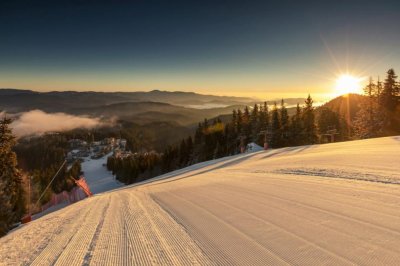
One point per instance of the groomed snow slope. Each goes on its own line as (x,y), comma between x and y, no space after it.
(333,204)
(97,176)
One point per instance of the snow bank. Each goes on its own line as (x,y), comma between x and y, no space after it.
(253,147)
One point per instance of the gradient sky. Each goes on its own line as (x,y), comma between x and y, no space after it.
(245,48)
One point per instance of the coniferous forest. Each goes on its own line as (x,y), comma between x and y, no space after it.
(215,139)
(12,201)
(378,115)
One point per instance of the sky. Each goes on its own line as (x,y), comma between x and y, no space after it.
(242,48)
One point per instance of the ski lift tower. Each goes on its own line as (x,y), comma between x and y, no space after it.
(331,134)
(267,133)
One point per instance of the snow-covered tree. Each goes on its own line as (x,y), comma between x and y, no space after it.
(255,123)
(296,127)
(12,204)
(275,127)
(264,117)
(310,129)
(284,119)
(371,119)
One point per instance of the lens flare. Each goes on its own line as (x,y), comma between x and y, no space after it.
(346,84)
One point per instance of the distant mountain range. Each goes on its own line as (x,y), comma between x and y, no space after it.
(14,100)
(184,108)
(154,119)
(146,112)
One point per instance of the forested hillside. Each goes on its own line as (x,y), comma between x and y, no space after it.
(160,146)
(348,117)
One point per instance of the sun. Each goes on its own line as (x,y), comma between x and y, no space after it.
(346,84)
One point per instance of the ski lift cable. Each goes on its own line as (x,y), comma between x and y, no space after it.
(50,182)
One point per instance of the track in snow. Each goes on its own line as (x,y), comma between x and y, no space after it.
(240,210)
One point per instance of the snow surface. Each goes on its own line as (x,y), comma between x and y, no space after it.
(332,204)
(97,176)
(253,147)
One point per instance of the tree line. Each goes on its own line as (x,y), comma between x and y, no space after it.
(378,115)
(39,158)
(135,168)
(215,139)
(12,196)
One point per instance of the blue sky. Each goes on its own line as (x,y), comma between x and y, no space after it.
(246,48)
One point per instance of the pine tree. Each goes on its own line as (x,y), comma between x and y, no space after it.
(190,149)
(246,129)
(371,118)
(263,121)
(234,118)
(390,90)
(275,127)
(296,127)
(239,122)
(6,213)
(308,117)
(284,119)
(264,117)
(231,139)
(199,135)
(254,123)
(371,90)
(379,89)
(183,153)
(219,150)
(12,204)
(328,121)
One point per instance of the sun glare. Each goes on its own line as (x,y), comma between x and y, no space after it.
(346,84)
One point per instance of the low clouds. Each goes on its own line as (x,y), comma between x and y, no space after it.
(37,122)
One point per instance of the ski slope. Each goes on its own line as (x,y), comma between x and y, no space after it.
(97,176)
(332,204)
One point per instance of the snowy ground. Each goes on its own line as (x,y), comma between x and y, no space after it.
(332,204)
(97,176)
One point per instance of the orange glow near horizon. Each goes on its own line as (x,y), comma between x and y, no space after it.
(258,86)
